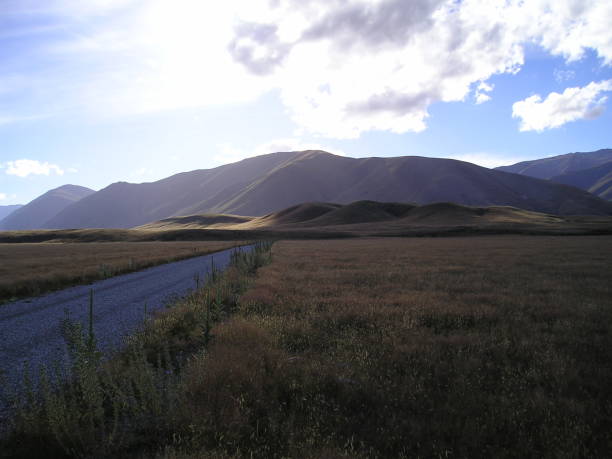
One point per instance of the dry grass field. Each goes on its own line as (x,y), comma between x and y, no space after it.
(456,347)
(489,346)
(31,269)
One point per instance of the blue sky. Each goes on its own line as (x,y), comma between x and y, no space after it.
(108,90)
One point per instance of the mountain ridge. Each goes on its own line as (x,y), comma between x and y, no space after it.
(547,168)
(37,212)
(596,180)
(264,184)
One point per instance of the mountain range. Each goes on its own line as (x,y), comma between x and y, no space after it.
(36,213)
(264,184)
(547,168)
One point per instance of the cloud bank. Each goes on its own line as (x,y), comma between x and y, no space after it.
(341,68)
(25,167)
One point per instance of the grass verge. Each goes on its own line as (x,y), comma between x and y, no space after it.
(129,403)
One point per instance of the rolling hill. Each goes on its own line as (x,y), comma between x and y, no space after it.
(36,213)
(264,184)
(597,180)
(5,211)
(370,218)
(321,220)
(547,168)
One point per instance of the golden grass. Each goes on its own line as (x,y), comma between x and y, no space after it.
(31,269)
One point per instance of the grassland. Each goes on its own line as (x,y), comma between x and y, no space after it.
(472,347)
(32,269)
(496,346)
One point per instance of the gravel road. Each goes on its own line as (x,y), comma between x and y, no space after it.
(30,329)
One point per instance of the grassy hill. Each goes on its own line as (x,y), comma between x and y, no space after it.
(382,218)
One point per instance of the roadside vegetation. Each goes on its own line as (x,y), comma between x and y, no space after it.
(496,346)
(32,269)
(130,402)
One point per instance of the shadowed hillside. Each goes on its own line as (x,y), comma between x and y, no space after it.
(260,185)
(547,168)
(36,214)
(123,205)
(597,180)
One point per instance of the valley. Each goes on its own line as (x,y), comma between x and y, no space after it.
(359,229)
(410,307)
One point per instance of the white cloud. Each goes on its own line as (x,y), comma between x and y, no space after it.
(342,68)
(26,167)
(6,197)
(482,89)
(562,76)
(569,27)
(351,67)
(573,104)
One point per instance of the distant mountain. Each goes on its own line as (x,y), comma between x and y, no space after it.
(7,210)
(124,205)
(596,180)
(264,184)
(547,168)
(35,214)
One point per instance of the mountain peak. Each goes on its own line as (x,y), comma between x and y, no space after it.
(36,213)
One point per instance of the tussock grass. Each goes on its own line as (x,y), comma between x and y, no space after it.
(33,269)
(466,347)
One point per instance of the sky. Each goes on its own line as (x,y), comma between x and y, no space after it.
(98,91)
